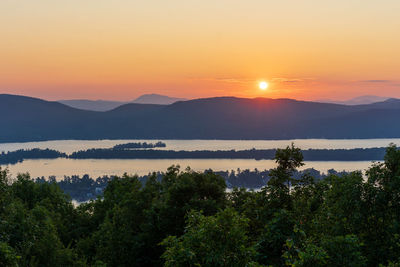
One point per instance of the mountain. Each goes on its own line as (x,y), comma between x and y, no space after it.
(157,99)
(25,118)
(104,105)
(360,100)
(30,119)
(95,105)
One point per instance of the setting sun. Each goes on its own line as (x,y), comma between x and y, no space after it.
(263,85)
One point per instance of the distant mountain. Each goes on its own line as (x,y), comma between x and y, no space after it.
(157,99)
(360,100)
(95,105)
(104,105)
(30,119)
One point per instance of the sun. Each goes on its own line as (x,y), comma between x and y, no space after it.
(263,85)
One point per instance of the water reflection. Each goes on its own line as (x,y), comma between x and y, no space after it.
(100,167)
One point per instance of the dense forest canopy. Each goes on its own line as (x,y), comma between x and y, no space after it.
(188,218)
(84,188)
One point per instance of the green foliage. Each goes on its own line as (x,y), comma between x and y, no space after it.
(309,256)
(187,218)
(288,161)
(8,257)
(281,178)
(133,219)
(33,223)
(218,240)
(337,251)
(344,251)
(273,238)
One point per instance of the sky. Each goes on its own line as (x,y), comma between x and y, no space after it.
(120,49)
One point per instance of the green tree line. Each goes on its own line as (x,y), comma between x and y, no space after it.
(127,151)
(190,219)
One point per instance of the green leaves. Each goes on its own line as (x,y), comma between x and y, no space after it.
(137,218)
(188,219)
(8,256)
(218,240)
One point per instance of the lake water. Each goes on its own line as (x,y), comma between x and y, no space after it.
(69,146)
(96,167)
(99,167)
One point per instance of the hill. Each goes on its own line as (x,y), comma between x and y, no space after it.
(360,100)
(94,105)
(105,105)
(30,119)
(27,119)
(157,99)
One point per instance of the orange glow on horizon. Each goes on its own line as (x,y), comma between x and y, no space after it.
(118,50)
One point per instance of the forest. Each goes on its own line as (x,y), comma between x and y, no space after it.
(84,188)
(355,154)
(187,218)
(20,155)
(139,145)
(139,151)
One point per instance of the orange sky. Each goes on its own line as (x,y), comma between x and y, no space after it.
(120,49)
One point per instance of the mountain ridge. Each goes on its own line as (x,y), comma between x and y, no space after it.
(107,105)
(359,100)
(32,119)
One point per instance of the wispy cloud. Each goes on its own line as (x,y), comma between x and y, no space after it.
(234,80)
(237,80)
(287,80)
(241,80)
(376,81)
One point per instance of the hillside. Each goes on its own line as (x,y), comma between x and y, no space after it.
(29,119)
(105,105)
(360,100)
(157,99)
(94,105)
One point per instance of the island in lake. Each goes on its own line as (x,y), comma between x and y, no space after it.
(146,151)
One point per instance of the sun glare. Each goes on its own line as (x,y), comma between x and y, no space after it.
(263,85)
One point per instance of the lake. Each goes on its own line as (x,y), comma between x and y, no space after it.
(69,146)
(98,167)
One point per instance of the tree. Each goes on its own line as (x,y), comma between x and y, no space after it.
(288,160)
(218,240)
(134,219)
(281,177)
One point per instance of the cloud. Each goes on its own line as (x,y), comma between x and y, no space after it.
(376,81)
(291,80)
(274,80)
(233,80)
(241,80)
(224,79)
(287,80)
